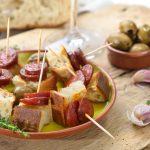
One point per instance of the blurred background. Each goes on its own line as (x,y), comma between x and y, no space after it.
(88,5)
(28,14)
(97,4)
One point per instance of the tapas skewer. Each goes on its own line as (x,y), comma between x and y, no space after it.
(99,126)
(8,32)
(91,119)
(41,73)
(99,48)
(39,48)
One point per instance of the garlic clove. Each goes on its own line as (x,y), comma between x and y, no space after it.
(141,76)
(140,115)
(142,112)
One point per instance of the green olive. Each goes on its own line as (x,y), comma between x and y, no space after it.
(34,57)
(139,47)
(144,34)
(128,27)
(120,41)
(19,91)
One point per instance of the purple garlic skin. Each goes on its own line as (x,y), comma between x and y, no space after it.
(141,76)
(140,115)
(142,112)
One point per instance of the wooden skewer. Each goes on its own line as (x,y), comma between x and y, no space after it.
(63,62)
(41,73)
(40,34)
(91,119)
(99,126)
(86,115)
(97,49)
(8,31)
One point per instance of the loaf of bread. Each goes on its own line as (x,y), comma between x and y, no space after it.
(26,14)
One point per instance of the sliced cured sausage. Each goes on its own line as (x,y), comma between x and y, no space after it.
(31,77)
(79,76)
(5,77)
(35,101)
(80,57)
(71,114)
(34,69)
(74,61)
(85,107)
(9,60)
(39,94)
(87,72)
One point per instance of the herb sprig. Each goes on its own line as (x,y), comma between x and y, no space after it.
(148,102)
(7,124)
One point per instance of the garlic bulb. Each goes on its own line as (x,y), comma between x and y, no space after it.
(140,115)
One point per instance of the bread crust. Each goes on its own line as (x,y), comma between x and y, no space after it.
(98,89)
(7,100)
(57,17)
(27,118)
(57,66)
(58,107)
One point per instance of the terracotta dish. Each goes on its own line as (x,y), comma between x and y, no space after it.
(126,60)
(56,131)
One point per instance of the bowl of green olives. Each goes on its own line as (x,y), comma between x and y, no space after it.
(130,48)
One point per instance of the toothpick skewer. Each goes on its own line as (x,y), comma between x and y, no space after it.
(8,31)
(98,49)
(63,62)
(94,122)
(40,34)
(41,73)
(99,126)
(91,119)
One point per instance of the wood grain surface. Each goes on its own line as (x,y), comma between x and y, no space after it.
(127,136)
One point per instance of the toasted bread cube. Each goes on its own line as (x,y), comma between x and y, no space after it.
(56,63)
(60,100)
(74,91)
(46,85)
(6,103)
(32,118)
(98,89)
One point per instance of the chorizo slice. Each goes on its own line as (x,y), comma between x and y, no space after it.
(87,72)
(85,107)
(79,76)
(80,57)
(31,77)
(5,77)
(9,60)
(74,61)
(35,101)
(71,114)
(39,94)
(34,68)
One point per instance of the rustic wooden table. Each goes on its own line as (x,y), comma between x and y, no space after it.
(127,136)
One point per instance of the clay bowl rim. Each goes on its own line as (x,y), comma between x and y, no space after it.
(128,54)
(71,130)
